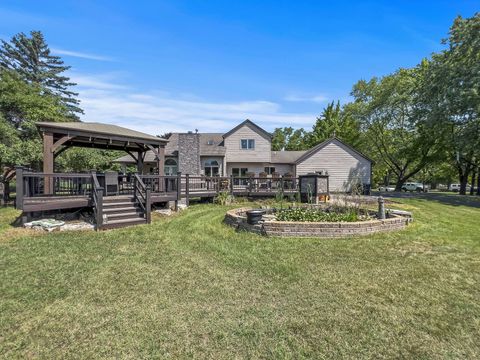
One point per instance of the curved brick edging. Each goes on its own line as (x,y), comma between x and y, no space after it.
(315,229)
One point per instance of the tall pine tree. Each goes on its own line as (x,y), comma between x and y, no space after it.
(30,57)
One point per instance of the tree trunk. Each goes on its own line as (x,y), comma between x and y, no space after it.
(399,183)
(472,184)
(463,178)
(478,181)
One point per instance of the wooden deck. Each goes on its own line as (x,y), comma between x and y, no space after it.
(58,191)
(45,203)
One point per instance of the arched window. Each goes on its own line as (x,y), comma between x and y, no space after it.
(212,168)
(170,167)
(211,163)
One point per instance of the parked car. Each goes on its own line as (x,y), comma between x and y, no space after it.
(456,187)
(413,186)
(386,188)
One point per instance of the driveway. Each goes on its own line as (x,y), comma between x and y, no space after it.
(445,198)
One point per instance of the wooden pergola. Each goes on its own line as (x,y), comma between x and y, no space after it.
(57,137)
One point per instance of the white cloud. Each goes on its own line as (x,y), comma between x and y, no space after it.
(104,100)
(81,55)
(302,98)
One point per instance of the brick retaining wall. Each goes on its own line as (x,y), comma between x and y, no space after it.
(236,219)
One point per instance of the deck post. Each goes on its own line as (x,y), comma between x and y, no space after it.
(99,210)
(48,162)
(231,184)
(187,189)
(20,188)
(282,186)
(179,189)
(148,204)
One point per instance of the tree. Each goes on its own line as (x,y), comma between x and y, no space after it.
(288,138)
(338,122)
(394,127)
(84,159)
(452,90)
(30,58)
(21,105)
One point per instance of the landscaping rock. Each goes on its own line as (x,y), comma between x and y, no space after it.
(164,212)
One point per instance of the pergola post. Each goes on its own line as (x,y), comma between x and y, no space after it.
(161,168)
(161,160)
(140,162)
(48,161)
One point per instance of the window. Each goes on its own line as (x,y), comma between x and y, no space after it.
(212,168)
(247,144)
(239,173)
(170,167)
(269,170)
(210,142)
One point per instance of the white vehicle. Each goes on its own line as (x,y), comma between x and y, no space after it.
(387,188)
(456,187)
(411,186)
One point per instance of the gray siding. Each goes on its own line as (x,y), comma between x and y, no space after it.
(234,152)
(344,166)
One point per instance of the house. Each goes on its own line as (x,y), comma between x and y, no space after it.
(247,149)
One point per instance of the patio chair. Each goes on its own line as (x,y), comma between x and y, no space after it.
(111,183)
(263,182)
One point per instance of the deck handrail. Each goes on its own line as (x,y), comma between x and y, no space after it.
(142,194)
(97,200)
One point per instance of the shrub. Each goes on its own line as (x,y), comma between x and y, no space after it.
(311,215)
(224,198)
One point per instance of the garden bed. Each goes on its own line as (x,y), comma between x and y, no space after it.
(269,226)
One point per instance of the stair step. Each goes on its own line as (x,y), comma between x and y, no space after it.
(119,210)
(123,223)
(109,200)
(112,205)
(129,214)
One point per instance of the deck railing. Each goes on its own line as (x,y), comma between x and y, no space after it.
(56,184)
(97,200)
(33,185)
(142,195)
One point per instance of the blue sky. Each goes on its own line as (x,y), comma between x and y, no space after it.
(160,66)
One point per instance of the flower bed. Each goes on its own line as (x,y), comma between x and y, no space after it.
(272,226)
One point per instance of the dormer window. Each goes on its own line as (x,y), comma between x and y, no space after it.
(210,142)
(247,144)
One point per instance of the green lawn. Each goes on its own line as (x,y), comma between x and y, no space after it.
(189,286)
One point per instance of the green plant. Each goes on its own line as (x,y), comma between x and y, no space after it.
(224,198)
(279,196)
(313,215)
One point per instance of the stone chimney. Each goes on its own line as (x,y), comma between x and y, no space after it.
(189,153)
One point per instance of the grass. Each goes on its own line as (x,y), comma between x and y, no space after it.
(189,286)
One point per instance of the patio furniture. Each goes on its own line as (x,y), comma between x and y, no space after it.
(263,182)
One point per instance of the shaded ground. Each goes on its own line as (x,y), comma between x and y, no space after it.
(188,286)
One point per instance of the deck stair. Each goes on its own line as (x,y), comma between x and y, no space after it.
(121,211)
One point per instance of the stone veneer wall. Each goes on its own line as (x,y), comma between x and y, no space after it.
(189,153)
(236,219)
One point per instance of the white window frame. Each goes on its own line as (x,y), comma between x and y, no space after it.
(250,144)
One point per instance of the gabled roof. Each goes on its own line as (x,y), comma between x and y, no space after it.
(325,143)
(250,123)
(211,144)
